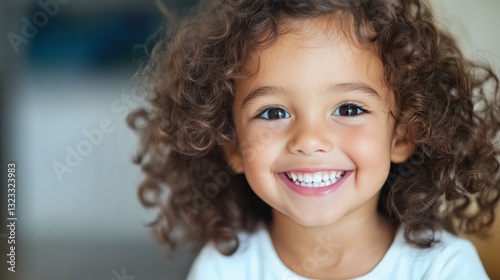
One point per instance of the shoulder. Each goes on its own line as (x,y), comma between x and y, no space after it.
(456,258)
(211,264)
(252,260)
(452,258)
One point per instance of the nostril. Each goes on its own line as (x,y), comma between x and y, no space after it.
(308,142)
(311,150)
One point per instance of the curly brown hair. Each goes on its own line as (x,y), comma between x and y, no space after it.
(452,107)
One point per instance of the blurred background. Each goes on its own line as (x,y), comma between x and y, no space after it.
(65,83)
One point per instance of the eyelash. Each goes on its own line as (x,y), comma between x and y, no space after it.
(360,111)
(267,109)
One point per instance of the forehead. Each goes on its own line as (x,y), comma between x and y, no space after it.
(325,48)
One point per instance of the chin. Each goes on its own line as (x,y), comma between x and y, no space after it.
(315,220)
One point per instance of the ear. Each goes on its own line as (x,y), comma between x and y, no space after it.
(233,156)
(401,147)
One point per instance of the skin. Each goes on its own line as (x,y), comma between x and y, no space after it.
(319,103)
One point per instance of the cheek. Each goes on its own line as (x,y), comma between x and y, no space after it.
(260,139)
(258,146)
(368,146)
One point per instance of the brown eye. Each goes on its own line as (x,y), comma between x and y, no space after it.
(348,110)
(275,113)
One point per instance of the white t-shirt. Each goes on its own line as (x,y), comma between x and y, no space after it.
(256,259)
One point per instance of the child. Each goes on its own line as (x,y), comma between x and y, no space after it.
(324,139)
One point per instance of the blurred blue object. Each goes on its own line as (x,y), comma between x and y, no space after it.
(90,43)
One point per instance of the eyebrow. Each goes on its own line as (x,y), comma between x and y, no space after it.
(338,88)
(354,86)
(262,91)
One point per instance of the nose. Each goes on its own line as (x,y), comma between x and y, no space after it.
(309,138)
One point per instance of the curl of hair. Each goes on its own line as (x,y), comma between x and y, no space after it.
(450,105)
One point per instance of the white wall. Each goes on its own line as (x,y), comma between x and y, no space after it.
(477,25)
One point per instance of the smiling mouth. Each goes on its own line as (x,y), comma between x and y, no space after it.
(315,179)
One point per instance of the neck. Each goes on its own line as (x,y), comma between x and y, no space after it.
(349,247)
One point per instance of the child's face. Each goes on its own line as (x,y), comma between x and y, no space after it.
(317,109)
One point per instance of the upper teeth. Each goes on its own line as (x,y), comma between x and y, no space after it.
(315,179)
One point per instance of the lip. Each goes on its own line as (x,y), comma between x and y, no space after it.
(319,191)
